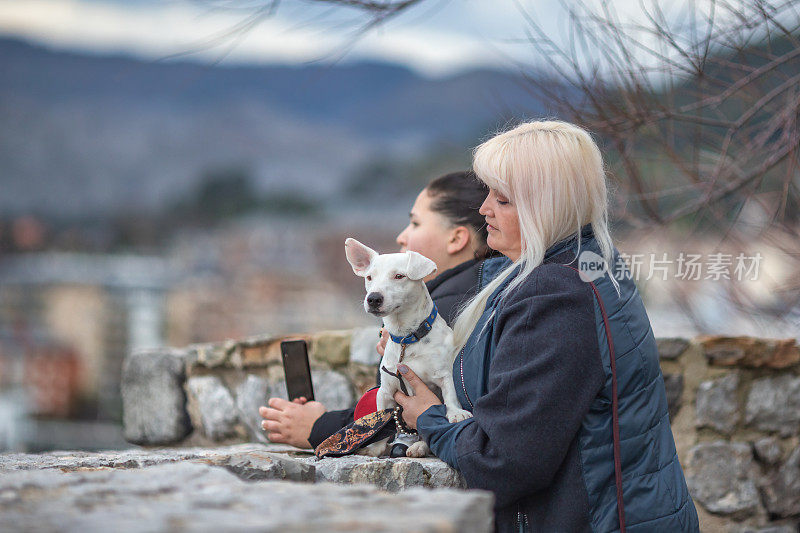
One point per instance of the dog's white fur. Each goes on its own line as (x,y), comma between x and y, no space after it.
(397,278)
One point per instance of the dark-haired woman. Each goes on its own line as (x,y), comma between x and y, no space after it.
(444,225)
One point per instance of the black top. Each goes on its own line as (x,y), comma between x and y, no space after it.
(449,290)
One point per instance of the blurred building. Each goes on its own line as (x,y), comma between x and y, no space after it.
(67,322)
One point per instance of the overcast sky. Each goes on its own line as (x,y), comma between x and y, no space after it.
(438,37)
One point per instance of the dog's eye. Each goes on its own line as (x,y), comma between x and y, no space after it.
(369,278)
(399,276)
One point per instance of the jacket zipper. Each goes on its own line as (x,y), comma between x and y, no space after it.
(522,521)
(461,354)
(463,385)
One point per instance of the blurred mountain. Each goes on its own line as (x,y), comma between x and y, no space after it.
(92,135)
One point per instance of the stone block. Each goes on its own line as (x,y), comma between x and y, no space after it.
(673,384)
(387,474)
(781,489)
(260,466)
(331,388)
(332,347)
(153,399)
(363,377)
(717,405)
(214,406)
(277,389)
(362,346)
(195,497)
(210,355)
(780,528)
(250,395)
(768,450)
(671,348)
(750,352)
(721,477)
(258,351)
(248,461)
(773,404)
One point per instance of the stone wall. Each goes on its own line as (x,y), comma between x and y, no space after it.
(245,487)
(734,405)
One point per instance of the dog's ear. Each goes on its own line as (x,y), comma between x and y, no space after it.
(419,266)
(359,256)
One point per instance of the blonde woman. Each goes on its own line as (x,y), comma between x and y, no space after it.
(570,429)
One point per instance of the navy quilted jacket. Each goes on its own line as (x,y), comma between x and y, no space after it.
(537,379)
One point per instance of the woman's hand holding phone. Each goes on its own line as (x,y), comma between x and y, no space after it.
(290,422)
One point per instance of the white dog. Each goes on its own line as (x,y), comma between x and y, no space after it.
(396,293)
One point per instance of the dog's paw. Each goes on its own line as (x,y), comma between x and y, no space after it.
(457,415)
(418,449)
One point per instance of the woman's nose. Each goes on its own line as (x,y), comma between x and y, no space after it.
(484,209)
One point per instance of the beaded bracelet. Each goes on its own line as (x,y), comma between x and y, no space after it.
(401,424)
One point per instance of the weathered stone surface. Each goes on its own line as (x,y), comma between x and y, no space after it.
(750,352)
(720,476)
(153,400)
(716,404)
(671,348)
(782,528)
(440,474)
(332,347)
(258,351)
(387,474)
(277,389)
(332,389)
(773,404)
(195,497)
(259,466)
(248,461)
(363,377)
(768,450)
(782,489)
(362,346)
(673,383)
(210,355)
(218,414)
(250,395)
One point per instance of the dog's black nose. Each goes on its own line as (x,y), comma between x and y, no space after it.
(374,299)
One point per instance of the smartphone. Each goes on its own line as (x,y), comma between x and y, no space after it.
(297,369)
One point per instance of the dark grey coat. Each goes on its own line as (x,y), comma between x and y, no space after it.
(537,379)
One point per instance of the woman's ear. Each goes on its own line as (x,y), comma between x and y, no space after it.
(458,239)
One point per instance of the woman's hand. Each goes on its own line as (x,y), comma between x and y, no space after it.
(413,406)
(290,422)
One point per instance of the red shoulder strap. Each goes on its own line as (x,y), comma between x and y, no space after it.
(614,407)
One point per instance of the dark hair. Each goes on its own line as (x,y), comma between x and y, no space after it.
(458,196)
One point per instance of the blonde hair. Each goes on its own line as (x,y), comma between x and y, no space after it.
(553,173)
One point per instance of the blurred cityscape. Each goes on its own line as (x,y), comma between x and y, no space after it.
(146,203)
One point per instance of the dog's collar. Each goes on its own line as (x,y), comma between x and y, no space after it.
(421,331)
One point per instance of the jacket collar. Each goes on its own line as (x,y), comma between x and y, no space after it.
(558,248)
(449,273)
(562,246)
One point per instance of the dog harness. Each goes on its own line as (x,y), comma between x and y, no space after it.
(411,338)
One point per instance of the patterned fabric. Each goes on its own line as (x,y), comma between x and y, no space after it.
(367,429)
